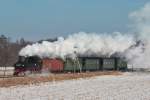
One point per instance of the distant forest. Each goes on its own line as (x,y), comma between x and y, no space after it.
(9,50)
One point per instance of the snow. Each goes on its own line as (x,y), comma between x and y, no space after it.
(130,86)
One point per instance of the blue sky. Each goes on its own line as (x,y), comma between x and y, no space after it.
(41,19)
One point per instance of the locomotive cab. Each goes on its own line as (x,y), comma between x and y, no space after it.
(31,64)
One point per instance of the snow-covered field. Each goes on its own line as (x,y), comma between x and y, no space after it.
(130,86)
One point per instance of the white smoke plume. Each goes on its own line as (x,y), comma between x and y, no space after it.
(141,21)
(141,26)
(85,44)
(134,47)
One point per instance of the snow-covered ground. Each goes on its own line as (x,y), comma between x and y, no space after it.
(130,86)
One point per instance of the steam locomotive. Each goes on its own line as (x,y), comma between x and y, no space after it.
(34,64)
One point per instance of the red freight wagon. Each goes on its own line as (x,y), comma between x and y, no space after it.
(53,65)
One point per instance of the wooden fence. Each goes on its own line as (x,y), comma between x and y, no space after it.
(6,71)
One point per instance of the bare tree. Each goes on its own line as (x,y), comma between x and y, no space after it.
(9,50)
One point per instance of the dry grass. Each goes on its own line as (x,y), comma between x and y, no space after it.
(13,81)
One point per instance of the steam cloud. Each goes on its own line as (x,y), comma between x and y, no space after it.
(133,47)
(141,26)
(83,44)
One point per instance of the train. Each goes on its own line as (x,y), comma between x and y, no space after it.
(34,64)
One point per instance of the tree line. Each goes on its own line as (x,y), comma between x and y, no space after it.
(9,50)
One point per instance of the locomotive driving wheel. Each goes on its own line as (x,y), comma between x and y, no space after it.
(21,74)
